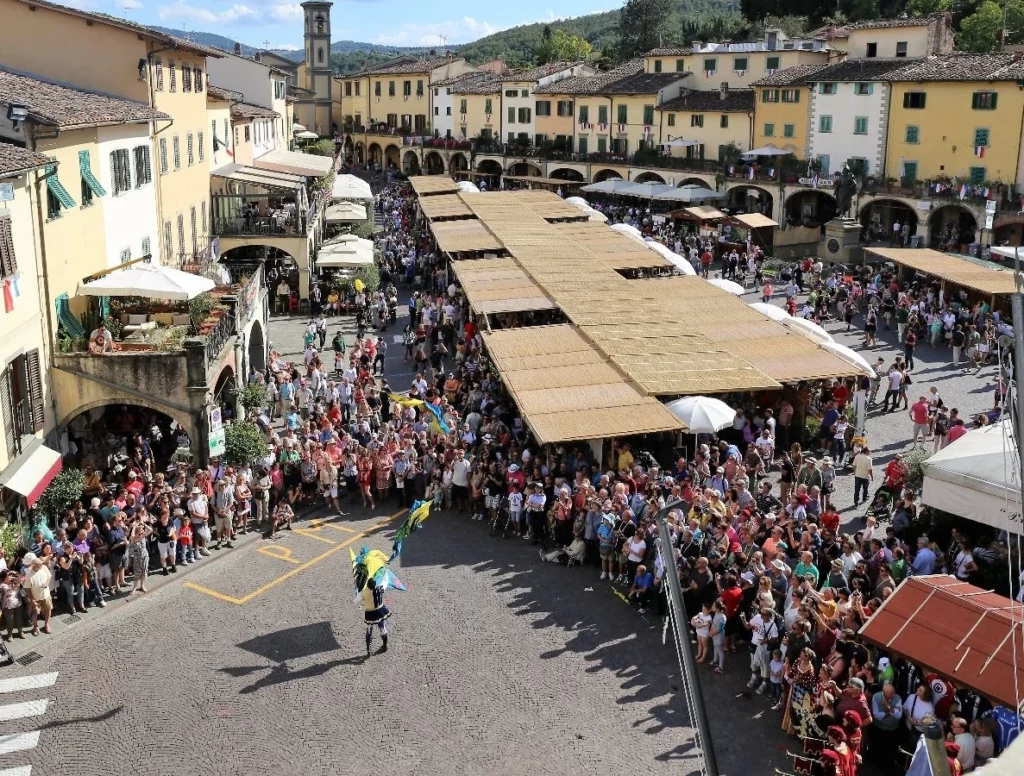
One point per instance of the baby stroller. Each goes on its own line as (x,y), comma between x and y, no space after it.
(502,518)
(880,507)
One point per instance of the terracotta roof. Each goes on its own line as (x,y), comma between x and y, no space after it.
(487,83)
(843,31)
(790,76)
(124,24)
(858,70)
(960,631)
(960,66)
(628,78)
(536,73)
(224,95)
(246,110)
(669,52)
(407,64)
(66,107)
(15,159)
(734,101)
(474,74)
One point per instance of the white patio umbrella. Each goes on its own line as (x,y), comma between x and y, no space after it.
(808,329)
(148,280)
(732,287)
(672,258)
(680,143)
(306,135)
(702,414)
(611,186)
(850,356)
(629,231)
(297,127)
(596,215)
(469,187)
(768,150)
(646,190)
(579,202)
(771,311)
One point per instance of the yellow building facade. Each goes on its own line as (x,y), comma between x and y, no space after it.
(477,110)
(782,110)
(712,120)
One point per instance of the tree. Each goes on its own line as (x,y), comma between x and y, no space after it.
(243,443)
(641,23)
(544,54)
(921,8)
(62,492)
(563,47)
(980,32)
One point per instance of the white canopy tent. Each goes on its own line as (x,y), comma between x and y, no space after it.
(346,242)
(611,186)
(343,212)
(850,356)
(673,258)
(297,127)
(771,311)
(150,281)
(306,135)
(976,477)
(351,187)
(646,190)
(690,193)
(808,329)
(680,143)
(731,286)
(469,187)
(346,259)
(768,150)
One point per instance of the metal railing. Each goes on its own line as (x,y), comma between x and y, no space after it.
(22,424)
(217,336)
(253,225)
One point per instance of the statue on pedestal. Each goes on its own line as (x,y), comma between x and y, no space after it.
(844,190)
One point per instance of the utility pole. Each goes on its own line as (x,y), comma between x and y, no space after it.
(703,738)
(1017,311)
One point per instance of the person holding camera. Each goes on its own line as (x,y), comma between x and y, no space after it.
(71,575)
(11,600)
(764,638)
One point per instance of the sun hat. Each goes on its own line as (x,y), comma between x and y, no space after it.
(29,558)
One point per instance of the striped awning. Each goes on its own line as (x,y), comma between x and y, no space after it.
(32,471)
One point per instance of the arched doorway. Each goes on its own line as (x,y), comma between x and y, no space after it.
(276,264)
(224,392)
(434,163)
(526,169)
(606,175)
(695,182)
(458,162)
(347,150)
(360,153)
(376,154)
(489,167)
(392,159)
(104,432)
(567,174)
(257,348)
(648,177)
(751,199)
(810,208)
(410,163)
(952,228)
(878,217)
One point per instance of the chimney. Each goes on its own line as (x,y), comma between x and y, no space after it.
(771,40)
(723,91)
(238,49)
(258,56)
(695,45)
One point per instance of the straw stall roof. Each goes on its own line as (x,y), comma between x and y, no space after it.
(444,206)
(427,185)
(464,236)
(513,291)
(950,268)
(543,181)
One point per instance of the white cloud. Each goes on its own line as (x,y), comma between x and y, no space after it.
(237,13)
(286,12)
(455,31)
(129,5)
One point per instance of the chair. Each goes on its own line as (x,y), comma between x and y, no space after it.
(293,303)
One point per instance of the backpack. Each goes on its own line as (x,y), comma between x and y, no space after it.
(775,639)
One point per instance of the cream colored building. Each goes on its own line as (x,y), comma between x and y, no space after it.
(709,122)
(518,98)
(891,38)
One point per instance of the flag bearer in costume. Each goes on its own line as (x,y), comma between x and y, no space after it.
(372,579)
(377,613)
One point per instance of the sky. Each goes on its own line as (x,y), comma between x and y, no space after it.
(277,24)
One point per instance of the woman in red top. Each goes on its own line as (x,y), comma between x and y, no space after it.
(364,468)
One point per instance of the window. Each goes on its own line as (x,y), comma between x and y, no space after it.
(348,88)
(159,67)
(147,249)
(695,152)
(120,171)
(462,106)
(90,184)
(391,88)
(177,153)
(771,64)
(511,115)
(723,122)
(125,256)
(487,106)
(448,110)
(671,119)
(419,87)
(788,130)
(511,137)
(824,123)
(739,64)
(186,78)
(583,145)
(511,92)
(860,125)
(697,120)
(980,137)
(21,396)
(901,48)
(202,150)
(181,233)
(525,115)
(648,115)
(710,65)
(584,114)
(983,101)
(543,107)
(913,135)
(226,136)
(189,149)
(357,89)
(909,173)
(791,95)
(524,93)
(163,156)
(376,88)
(168,240)
(320,54)
(824,162)
(57,197)
(863,88)
(437,110)
(195,228)
(565,107)
(826,87)
(173,76)
(680,65)
(247,135)
(406,88)
(977,175)
(657,65)
(914,100)
(202,212)
(602,145)
(769,130)
(602,114)
(623,114)
(769,95)
(871,50)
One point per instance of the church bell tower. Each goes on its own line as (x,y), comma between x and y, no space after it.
(319,80)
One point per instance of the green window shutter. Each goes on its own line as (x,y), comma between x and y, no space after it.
(56,188)
(648,114)
(583,145)
(680,66)
(913,134)
(90,180)
(977,175)
(657,65)
(981,137)
(67,319)
(788,130)
(602,145)
(584,114)
(487,106)
(602,114)
(860,125)
(769,130)
(623,111)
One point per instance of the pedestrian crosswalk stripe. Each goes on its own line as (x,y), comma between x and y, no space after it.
(33,682)
(19,742)
(24,770)
(21,710)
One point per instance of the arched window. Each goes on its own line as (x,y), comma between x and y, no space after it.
(320,55)
(320,24)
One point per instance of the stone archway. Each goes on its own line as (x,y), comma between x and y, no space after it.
(951,227)
(811,208)
(433,163)
(695,182)
(376,154)
(752,199)
(392,157)
(606,175)
(649,177)
(567,174)
(257,348)
(526,169)
(878,216)
(458,161)
(410,163)
(360,153)
(489,167)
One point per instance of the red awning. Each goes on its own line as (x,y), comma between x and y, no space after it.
(32,471)
(960,631)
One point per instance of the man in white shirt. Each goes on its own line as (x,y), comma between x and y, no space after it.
(199,513)
(460,481)
(895,380)
(962,737)
(762,629)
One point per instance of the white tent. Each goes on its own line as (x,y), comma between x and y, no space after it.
(975,477)
(306,135)
(690,193)
(850,356)
(681,143)
(148,280)
(702,414)
(672,258)
(346,241)
(342,212)
(771,311)
(646,190)
(596,215)
(351,187)
(808,329)
(629,231)
(579,202)
(343,259)
(297,127)
(469,187)
(768,150)
(611,186)
(731,286)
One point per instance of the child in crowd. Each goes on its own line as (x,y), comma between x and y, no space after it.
(775,669)
(718,636)
(702,624)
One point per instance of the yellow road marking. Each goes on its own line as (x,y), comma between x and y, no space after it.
(341,528)
(293,572)
(310,533)
(279,552)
